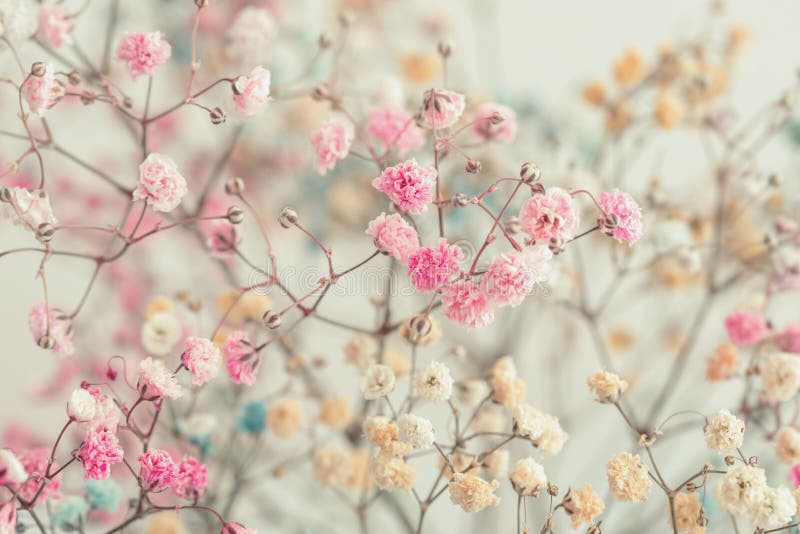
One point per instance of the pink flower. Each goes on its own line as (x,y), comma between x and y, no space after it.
(201,358)
(408,185)
(550,215)
(106,413)
(251,93)
(156,381)
(191,478)
(395,127)
(143,52)
(796,475)
(223,238)
(35,461)
(99,450)
(42,92)
(786,268)
(512,276)
(441,109)
(54,25)
(465,303)
(494,122)
(431,268)
(394,236)
(746,328)
(241,360)
(331,143)
(156,470)
(626,211)
(47,321)
(789,339)
(236,528)
(8,518)
(160,183)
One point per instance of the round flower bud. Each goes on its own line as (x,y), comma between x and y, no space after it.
(473,166)
(47,342)
(529,173)
(608,222)
(325,40)
(496,117)
(5,194)
(460,200)
(234,186)
(556,245)
(288,217)
(445,49)
(74,78)
(272,319)
(419,326)
(235,215)
(513,225)
(45,232)
(38,69)
(217,116)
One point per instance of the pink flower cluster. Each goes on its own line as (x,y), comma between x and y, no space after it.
(99,450)
(47,321)
(549,215)
(746,328)
(241,360)
(191,478)
(394,236)
(331,143)
(160,183)
(158,471)
(788,339)
(465,303)
(143,52)
(223,238)
(42,92)
(35,462)
(251,92)
(408,185)
(202,359)
(512,276)
(54,25)
(156,381)
(430,268)
(441,109)
(494,122)
(627,214)
(396,129)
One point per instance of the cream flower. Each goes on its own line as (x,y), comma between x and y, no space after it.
(332,465)
(496,463)
(415,431)
(527,477)
(787,445)
(160,333)
(606,387)
(780,373)
(378,381)
(627,478)
(774,509)
(688,510)
(361,350)
(390,473)
(583,505)
(741,489)
(434,383)
(81,406)
(472,493)
(724,432)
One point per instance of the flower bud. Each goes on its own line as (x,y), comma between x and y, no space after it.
(347,18)
(235,215)
(321,92)
(74,78)
(288,217)
(608,221)
(529,173)
(325,40)
(473,166)
(217,116)
(46,342)
(234,186)
(272,319)
(556,245)
(460,200)
(38,69)
(445,49)
(5,194)
(45,232)
(513,225)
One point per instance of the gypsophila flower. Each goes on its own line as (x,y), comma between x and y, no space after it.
(70,513)
(787,445)
(99,450)
(202,358)
(156,470)
(788,339)
(441,108)
(29,208)
(54,25)
(496,463)
(361,350)
(331,465)
(552,437)
(191,478)
(627,215)
(252,417)
(527,477)
(47,321)
(12,471)
(508,279)
(251,92)
(106,413)
(430,268)
(331,143)
(408,185)
(8,518)
(378,381)
(464,302)
(395,128)
(17,19)
(160,183)
(627,478)
(241,360)
(780,373)
(740,489)
(507,389)
(103,494)
(494,122)
(223,238)
(550,215)
(334,412)
(285,417)
(724,432)
(35,461)
(583,505)
(81,406)
(775,508)
(472,493)
(42,92)
(390,473)
(746,328)
(606,387)
(156,381)
(688,512)
(249,34)
(394,236)
(415,431)
(143,52)
(434,382)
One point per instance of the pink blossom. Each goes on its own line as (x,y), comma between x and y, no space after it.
(236,528)
(788,339)
(54,25)
(156,470)
(42,92)
(191,478)
(251,92)
(796,475)
(156,381)
(494,122)
(8,518)
(441,109)
(241,360)
(395,127)
(99,450)
(432,267)
(201,358)
(746,328)
(408,185)
(143,52)
(512,276)
(160,183)
(786,268)
(628,216)
(465,303)
(331,143)
(223,238)
(47,321)
(29,208)
(394,236)
(35,462)
(550,215)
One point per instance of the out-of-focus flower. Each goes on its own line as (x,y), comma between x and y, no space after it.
(54,25)
(527,477)
(42,92)
(44,321)
(378,381)
(331,143)
(740,489)
(395,128)
(29,208)
(723,363)
(494,122)
(12,471)
(247,38)
(70,513)
(143,52)
(774,509)
(251,92)
(252,417)
(780,373)
(285,417)
(629,68)
(241,360)
(787,445)
(746,328)
(103,494)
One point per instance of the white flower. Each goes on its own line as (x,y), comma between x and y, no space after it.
(434,383)
(787,445)
(741,489)
(18,19)
(247,38)
(106,414)
(724,432)
(472,391)
(82,406)
(606,387)
(160,333)
(198,426)
(552,438)
(496,463)
(774,509)
(29,208)
(780,373)
(378,382)
(415,431)
(671,235)
(527,477)
(11,469)
(156,381)
(361,351)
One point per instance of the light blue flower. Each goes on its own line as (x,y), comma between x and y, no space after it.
(252,417)
(70,513)
(103,494)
